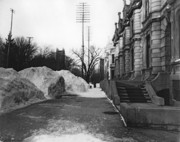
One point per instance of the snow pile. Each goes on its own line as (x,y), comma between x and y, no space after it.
(8,73)
(15,91)
(35,84)
(72,82)
(56,89)
(45,79)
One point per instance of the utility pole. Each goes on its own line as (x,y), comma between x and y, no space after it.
(88,44)
(83,16)
(9,37)
(29,39)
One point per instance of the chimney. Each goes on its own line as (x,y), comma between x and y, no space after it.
(119,14)
(115,26)
(124,2)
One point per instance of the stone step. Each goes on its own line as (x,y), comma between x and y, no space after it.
(135,101)
(132,93)
(126,94)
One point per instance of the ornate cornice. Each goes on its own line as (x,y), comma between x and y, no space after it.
(128,10)
(136,4)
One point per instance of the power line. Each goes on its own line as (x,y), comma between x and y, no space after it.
(88,44)
(82,16)
(29,39)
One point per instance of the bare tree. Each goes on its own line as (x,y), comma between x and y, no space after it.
(88,68)
(24,52)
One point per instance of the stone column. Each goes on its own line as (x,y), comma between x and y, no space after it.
(156,37)
(138,60)
(121,61)
(127,60)
(127,50)
(116,60)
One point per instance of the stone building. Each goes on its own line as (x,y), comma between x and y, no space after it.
(147,46)
(109,61)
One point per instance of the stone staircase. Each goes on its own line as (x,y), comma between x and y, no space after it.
(133,92)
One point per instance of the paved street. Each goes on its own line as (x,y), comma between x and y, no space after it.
(75,118)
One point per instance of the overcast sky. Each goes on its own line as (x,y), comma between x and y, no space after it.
(53,22)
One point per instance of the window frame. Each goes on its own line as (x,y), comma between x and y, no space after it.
(146,8)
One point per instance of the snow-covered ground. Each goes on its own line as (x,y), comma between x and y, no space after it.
(72,131)
(65,138)
(93,93)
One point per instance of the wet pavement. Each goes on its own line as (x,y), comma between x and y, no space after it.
(75,115)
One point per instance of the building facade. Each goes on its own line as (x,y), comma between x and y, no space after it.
(147,45)
(109,61)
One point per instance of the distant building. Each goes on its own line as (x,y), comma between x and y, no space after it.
(109,61)
(60,59)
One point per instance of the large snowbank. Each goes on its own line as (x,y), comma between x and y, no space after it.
(8,73)
(34,84)
(15,91)
(72,82)
(46,80)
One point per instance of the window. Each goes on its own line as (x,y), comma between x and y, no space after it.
(124,63)
(132,59)
(112,58)
(148,51)
(146,8)
(132,27)
(112,74)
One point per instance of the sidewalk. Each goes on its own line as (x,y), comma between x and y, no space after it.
(82,117)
